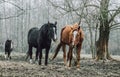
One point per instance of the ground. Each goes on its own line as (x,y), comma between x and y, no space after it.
(18,67)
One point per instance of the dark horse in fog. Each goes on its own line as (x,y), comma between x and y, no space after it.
(41,39)
(8,48)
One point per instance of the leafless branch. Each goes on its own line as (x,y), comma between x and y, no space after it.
(14,5)
(116,24)
(92,5)
(114,15)
(11,16)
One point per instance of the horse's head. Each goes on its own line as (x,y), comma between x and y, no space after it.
(75,36)
(52,31)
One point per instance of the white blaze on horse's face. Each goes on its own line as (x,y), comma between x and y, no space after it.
(55,35)
(74,37)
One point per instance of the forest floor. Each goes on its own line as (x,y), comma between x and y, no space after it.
(18,67)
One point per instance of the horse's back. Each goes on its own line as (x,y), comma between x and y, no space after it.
(65,34)
(32,36)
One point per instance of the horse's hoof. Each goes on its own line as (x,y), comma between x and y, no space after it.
(78,66)
(68,68)
(78,69)
(5,56)
(39,63)
(36,61)
(9,58)
(46,64)
(31,61)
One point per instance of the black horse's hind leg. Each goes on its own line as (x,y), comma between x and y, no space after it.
(46,56)
(36,59)
(9,57)
(30,53)
(40,55)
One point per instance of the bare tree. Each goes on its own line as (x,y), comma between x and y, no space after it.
(104,30)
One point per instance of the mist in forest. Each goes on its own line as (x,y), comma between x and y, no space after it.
(18,16)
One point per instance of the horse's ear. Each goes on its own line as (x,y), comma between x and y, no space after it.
(55,22)
(79,22)
(48,22)
(79,28)
(71,27)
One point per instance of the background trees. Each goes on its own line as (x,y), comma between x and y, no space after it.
(99,19)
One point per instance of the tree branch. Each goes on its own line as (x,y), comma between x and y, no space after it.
(92,5)
(114,15)
(14,5)
(14,15)
(11,16)
(114,24)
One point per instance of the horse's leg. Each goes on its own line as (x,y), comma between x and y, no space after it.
(57,50)
(46,55)
(5,54)
(9,57)
(69,56)
(30,53)
(78,50)
(64,53)
(40,55)
(36,54)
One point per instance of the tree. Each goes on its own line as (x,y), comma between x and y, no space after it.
(104,30)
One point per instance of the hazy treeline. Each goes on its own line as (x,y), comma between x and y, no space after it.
(18,16)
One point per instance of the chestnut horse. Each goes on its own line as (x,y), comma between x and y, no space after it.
(71,35)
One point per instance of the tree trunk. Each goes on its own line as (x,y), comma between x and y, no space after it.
(102,44)
(104,31)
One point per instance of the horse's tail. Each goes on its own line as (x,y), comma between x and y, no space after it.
(59,46)
(57,50)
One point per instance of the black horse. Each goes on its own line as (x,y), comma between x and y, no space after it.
(41,39)
(8,48)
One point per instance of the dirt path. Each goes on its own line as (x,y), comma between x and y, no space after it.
(17,67)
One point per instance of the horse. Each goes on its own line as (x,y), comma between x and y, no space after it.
(8,48)
(41,39)
(71,35)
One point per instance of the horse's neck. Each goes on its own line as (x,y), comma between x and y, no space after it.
(46,36)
